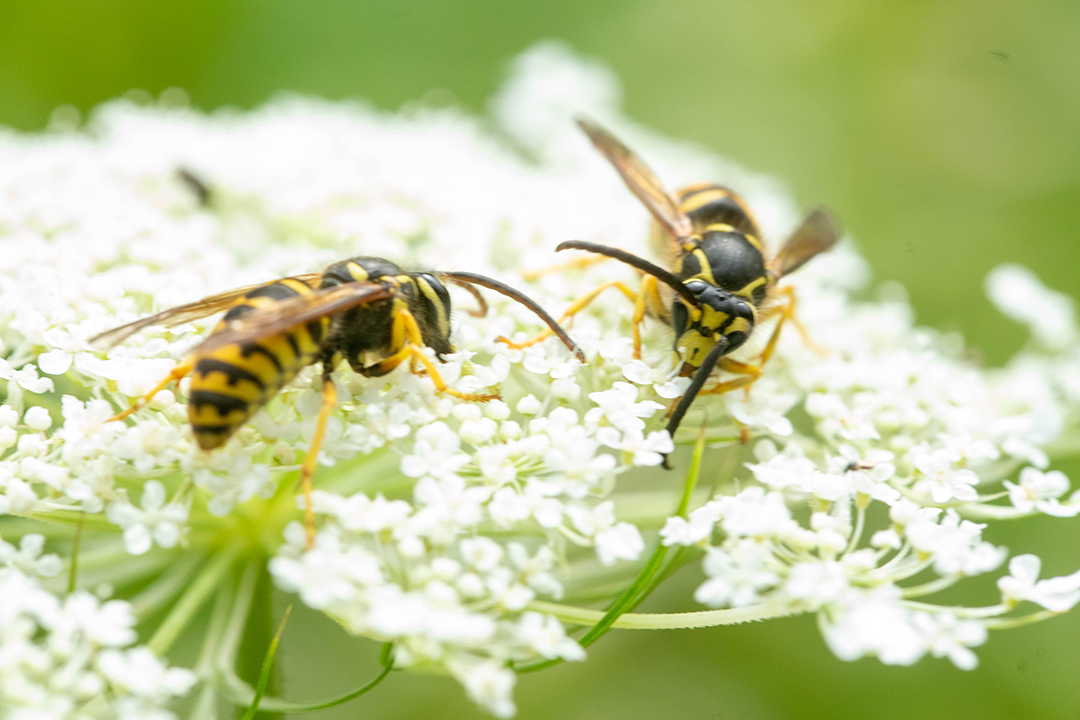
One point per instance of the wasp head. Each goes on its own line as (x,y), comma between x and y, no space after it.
(720,316)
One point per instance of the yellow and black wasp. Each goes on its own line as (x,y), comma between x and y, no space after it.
(723,285)
(366,310)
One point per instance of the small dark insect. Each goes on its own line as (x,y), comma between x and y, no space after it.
(366,310)
(1001,55)
(198,187)
(721,283)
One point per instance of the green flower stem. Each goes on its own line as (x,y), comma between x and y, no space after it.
(206,704)
(94,521)
(984,511)
(638,589)
(243,694)
(666,621)
(931,587)
(73,568)
(960,611)
(192,599)
(1005,624)
(856,534)
(171,582)
(234,631)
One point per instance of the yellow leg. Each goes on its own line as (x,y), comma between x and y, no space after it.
(647,292)
(577,264)
(408,331)
(750,373)
(307,470)
(578,305)
(787,314)
(177,372)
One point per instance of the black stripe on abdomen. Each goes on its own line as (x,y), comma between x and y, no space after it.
(223,403)
(235,373)
(250,348)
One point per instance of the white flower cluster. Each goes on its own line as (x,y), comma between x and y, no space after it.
(451,528)
(896,418)
(73,657)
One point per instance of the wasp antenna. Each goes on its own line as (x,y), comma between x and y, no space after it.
(700,377)
(641,264)
(517,295)
(480,311)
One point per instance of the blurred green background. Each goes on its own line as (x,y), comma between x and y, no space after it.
(946,135)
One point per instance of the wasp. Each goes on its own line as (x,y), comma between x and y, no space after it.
(366,310)
(721,282)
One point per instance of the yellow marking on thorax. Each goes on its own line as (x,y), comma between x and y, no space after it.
(296,286)
(357,272)
(705,273)
(747,290)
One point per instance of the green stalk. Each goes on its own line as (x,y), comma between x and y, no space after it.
(73,570)
(666,621)
(1007,623)
(267,667)
(165,587)
(190,602)
(206,705)
(637,589)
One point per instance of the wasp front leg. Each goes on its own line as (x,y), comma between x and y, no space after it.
(405,336)
(645,297)
(749,375)
(177,373)
(575,264)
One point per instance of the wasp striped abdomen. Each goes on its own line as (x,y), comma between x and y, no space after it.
(232,382)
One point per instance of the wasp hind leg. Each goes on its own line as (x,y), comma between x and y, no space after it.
(406,336)
(307,470)
(647,294)
(177,373)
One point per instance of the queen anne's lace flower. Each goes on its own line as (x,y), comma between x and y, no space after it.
(453,530)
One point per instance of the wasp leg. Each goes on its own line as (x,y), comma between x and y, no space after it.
(576,264)
(177,373)
(749,373)
(405,335)
(307,470)
(577,306)
(787,314)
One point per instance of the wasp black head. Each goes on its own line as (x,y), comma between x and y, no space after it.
(430,305)
(719,314)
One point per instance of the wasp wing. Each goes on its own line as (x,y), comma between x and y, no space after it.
(640,179)
(186,313)
(286,314)
(818,232)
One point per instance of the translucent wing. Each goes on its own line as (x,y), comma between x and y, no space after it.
(818,232)
(640,179)
(186,313)
(286,314)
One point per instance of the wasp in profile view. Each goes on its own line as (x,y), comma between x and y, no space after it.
(356,310)
(721,282)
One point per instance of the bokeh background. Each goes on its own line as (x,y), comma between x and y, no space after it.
(945,134)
